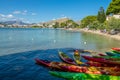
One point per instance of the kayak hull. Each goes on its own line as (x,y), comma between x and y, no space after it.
(83,76)
(66,58)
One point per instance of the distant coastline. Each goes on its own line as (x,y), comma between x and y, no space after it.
(116,36)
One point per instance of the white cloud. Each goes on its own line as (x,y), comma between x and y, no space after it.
(17,12)
(9,16)
(1,15)
(24,12)
(33,14)
(6,16)
(20,12)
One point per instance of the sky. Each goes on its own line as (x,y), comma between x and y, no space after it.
(34,11)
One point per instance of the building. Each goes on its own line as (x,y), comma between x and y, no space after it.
(117,16)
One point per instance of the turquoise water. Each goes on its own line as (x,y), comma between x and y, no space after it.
(13,40)
(19,48)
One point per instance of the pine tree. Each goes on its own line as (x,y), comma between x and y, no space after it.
(114,7)
(101,17)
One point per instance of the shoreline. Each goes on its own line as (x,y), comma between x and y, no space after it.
(117,36)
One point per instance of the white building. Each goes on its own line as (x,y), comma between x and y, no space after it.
(117,16)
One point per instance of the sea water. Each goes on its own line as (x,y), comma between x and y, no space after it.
(20,46)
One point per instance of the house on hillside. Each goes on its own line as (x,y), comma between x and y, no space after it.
(117,16)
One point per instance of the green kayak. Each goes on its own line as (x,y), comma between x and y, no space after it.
(115,51)
(83,76)
(109,57)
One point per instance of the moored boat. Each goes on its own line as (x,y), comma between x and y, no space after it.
(83,76)
(102,60)
(112,54)
(116,49)
(118,52)
(64,57)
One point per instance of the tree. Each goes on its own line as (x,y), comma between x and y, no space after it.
(114,7)
(101,17)
(63,24)
(87,21)
(114,24)
(56,25)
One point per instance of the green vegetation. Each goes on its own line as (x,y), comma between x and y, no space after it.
(113,24)
(36,26)
(56,25)
(114,7)
(101,17)
(87,21)
(63,24)
(66,24)
(99,22)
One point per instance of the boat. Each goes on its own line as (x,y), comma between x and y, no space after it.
(102,60)
(115,58)
(116,49)
(91,69)
(112,54)
(82,76)
(83,69)
(64,57)
(97,64)
(101,54)
(76,57)
(43,62)
(51,64)
(118,52)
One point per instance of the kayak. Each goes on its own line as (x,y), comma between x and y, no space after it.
(73,68)
(112,54)
(83,69)
(51,64)
(92,69)
(83,76)
(43,62)
(66,58)
(97,64)
(76,57)
(102,60)
(116,49)
(102,54)
(116,58)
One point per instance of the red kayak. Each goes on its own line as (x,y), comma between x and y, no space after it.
(97,64)
(102,54)
(92,70)
(73,68)
(51,64)
(43,62)
(102,60)
(116,49)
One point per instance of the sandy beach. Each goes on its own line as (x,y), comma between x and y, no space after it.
(117,37)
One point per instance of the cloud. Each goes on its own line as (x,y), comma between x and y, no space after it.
(24,12)
(1,15)
(6,16)
(17,12)
(9,16)
(20,12)
(33,14)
